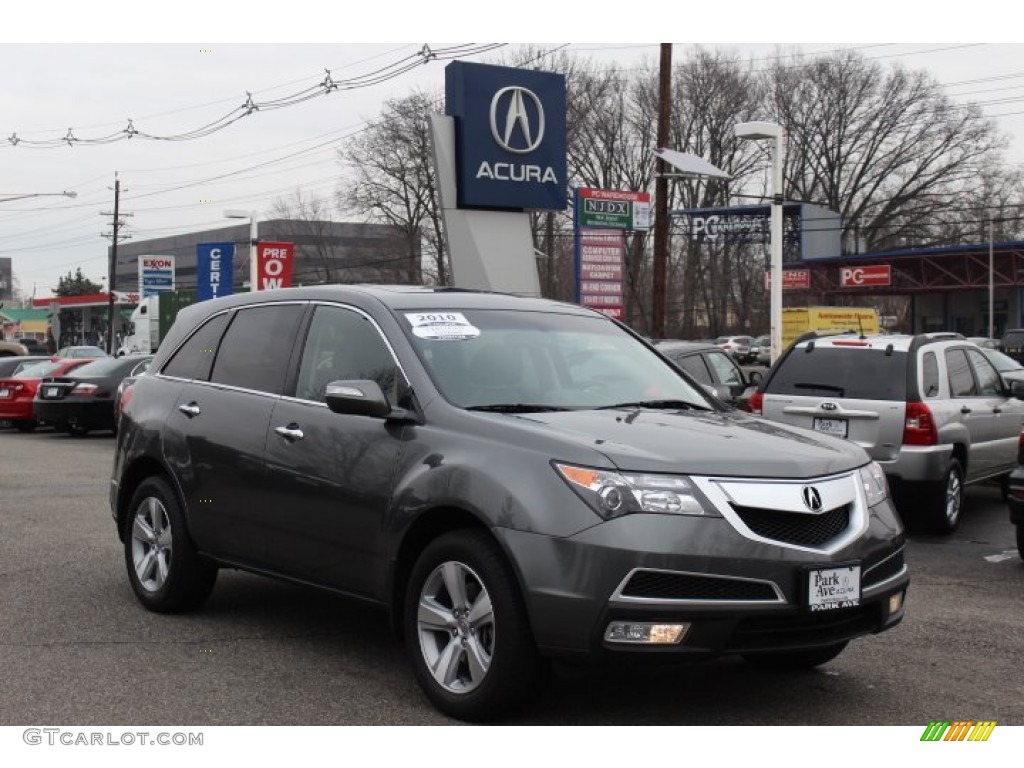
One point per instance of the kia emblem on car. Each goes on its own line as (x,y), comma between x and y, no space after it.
(513,101)
(829,406)
(812,499)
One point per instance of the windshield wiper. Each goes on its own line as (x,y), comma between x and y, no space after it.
(681,405)
(516,408)
(827,387)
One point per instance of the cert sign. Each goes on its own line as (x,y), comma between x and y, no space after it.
(215,272)
(156,274)
(613,209)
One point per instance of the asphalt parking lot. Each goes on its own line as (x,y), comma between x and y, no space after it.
(76,648)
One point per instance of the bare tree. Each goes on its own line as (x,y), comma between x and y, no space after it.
(307,220)
(887,149)
(391,163)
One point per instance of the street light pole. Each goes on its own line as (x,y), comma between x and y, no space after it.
(762,130)
(253,241)
(991,277)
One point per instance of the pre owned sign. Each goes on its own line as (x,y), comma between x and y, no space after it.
(856,277)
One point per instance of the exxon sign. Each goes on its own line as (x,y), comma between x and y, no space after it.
(510,142)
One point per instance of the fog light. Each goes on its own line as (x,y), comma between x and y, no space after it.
(645,633)
(895,603)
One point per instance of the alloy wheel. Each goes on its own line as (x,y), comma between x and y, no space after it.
(455,624)
(151,544)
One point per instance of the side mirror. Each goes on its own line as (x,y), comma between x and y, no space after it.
(359,397)
(1017,389)
(755,378)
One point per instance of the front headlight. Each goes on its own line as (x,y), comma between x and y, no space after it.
(613,494)
(876,487)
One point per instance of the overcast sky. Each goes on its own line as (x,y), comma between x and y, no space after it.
(118,73)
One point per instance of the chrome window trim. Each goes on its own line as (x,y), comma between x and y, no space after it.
(618,597)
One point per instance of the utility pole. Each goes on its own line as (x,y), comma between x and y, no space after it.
(116,223)
(657,330)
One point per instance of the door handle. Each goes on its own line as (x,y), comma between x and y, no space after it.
(190,410)
(997,409)
(291,433)
(965,409)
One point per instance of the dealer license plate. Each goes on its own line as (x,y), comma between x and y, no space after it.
(834,427)
(51,391)
(832,588)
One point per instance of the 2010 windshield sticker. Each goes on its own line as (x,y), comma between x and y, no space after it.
(442,326)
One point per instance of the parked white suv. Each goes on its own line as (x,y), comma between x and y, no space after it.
(931,409)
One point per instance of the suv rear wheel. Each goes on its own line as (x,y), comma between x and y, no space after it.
(945,502)
(466,629)
(165,572)
(1020,541)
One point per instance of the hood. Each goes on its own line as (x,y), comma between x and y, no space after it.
(730,443)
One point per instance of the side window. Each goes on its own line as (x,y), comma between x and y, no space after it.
(961,380)
(989,381)
(930,375)
(257,346)
(343,344)
(195,357)
(694,365)
(727,371)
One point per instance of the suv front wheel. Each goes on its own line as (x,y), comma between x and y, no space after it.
(466,629)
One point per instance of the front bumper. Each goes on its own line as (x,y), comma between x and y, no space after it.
(753,601)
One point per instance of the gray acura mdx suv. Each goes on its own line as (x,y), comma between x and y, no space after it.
(513,479)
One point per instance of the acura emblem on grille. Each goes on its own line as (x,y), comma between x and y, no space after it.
(829,406)
(812,499)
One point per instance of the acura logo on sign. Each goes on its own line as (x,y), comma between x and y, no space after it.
(812,499)
(518,133)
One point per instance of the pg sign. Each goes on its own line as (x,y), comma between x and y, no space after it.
(274,265)
(215,270)
(510,140)
(156,274)
(863,277)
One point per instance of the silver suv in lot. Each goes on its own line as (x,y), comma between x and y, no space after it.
(931,409)
(512,480)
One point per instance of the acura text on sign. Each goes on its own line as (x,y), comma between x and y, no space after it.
(510,141)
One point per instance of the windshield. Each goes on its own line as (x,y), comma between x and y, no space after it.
(484,358)
(37,370)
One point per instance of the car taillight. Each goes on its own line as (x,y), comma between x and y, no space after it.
(84,389)
(122,403)
(756,402)
(919,427)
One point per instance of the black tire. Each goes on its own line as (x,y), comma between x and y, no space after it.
(944,503)
(514,671)
(1020,540)
(25,426)
(176,579)
(794,660)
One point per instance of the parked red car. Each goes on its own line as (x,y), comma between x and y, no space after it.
(18,391)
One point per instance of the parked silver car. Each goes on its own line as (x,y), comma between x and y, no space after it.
(931,409)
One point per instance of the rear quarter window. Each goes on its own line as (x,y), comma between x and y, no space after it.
(857,373)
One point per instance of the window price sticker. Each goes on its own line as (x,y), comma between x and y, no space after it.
(441,326)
